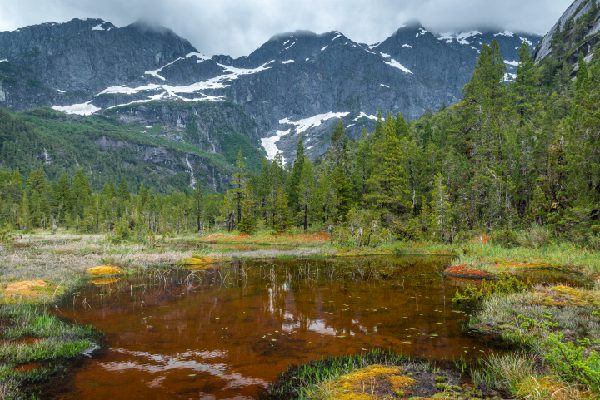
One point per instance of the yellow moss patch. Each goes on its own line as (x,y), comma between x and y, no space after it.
(197,262)
(367,383)
(104,270)
(104,281)
(401,382)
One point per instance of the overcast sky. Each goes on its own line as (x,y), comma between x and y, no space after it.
(236,27)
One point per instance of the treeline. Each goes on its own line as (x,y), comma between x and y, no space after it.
(71,203)
(508,157)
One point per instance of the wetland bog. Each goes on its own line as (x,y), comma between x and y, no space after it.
(229,330)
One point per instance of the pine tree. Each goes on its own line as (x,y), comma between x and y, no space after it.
(122,191)
(387,186)
(62,199)
(294,182)
(281,216)
(441,213)
(198,206)
(38,192)
(81,193)
(247,223)
(340,178)
(24,218)
(238,181)
(306,194)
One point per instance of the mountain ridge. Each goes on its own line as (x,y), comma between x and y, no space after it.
(294,76)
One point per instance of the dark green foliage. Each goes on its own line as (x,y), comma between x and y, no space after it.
(573,362)
(519,156)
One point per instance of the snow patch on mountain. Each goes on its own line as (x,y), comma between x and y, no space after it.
(338,35)
(422,32)
(365,115)
(505,33)
(3,60)
(461,37)
(448,37)
(396,64)
(304,124)
(407,46)
(270,143)
(217,82)
(156,73)
(525,40)
(512,63)
(287,62)
(84,109)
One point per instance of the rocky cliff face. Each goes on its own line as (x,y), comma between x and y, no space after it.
(579,27)
(296,83)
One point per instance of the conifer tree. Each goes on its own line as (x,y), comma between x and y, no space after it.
(247,222)
(441,213)
(306,194)
(294,182)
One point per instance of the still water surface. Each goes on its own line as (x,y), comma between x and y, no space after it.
(226,332)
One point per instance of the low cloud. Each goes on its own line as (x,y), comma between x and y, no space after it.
(236,27)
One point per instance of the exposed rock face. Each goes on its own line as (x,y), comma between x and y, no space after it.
(298,80)
(578,9)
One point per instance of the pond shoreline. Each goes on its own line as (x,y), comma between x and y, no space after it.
(64,257)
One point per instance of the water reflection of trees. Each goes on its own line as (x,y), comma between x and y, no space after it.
(305,294)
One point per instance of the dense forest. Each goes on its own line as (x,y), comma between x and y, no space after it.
(523,155)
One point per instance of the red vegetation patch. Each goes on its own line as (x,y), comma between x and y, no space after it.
(28,367)
(463,271)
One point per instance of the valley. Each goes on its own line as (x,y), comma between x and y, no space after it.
(320,219)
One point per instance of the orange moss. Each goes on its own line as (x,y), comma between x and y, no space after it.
(25,286)
(32,291)
(104,270)
(463,271)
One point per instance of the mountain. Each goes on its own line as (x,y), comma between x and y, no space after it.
(296,83)
(577,31)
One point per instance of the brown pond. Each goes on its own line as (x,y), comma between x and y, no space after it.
(226,332)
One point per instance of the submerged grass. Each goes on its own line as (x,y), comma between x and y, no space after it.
(35,346)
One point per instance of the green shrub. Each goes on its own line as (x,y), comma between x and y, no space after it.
(573,362)
(506,238)
(535,237)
